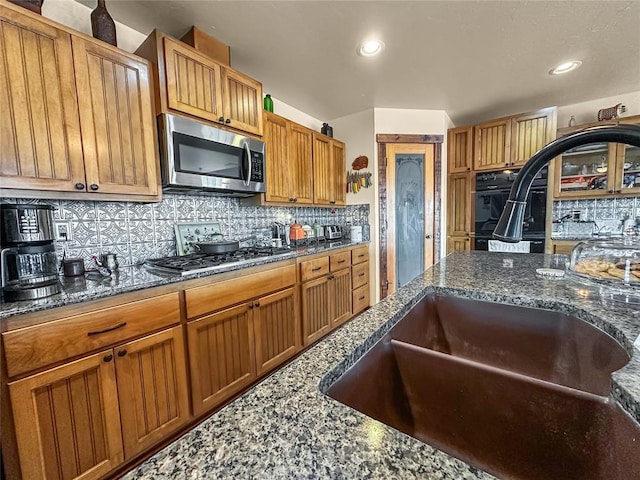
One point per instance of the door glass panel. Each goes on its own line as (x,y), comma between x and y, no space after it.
(410,233)
(631,167)
(585,168)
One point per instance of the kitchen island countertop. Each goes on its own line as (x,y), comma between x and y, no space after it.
(285,427)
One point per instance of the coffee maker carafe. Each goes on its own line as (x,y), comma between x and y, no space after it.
(29,261)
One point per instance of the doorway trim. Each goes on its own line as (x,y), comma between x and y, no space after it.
(383,139)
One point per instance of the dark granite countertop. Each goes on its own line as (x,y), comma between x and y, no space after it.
(285,427)
(129,279)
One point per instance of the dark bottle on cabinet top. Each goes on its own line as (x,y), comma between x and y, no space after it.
(102,25)
(268,103)
(327,130)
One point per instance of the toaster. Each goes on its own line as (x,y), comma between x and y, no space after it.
(332,232)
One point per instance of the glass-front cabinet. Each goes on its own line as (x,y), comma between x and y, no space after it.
(597,169)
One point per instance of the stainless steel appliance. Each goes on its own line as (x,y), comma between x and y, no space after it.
(195,263)
(198,157)
(332,232)
(29,261)
(492,192)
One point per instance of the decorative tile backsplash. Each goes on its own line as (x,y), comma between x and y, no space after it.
(138,231)
(602,211)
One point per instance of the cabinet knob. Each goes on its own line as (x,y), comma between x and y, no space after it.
(227,121)
(330,277)
(292,199)
(107,358)
(122,352)
(251,305)
(94,186)
(221,119)
(468,169)
(295,199)
(257,304)
(79,186)
(611,191)
(332,202)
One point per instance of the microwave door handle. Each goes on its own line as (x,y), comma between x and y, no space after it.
(247,180)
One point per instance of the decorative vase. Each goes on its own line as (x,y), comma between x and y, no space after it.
(268,103)
(102,25)
(33,5)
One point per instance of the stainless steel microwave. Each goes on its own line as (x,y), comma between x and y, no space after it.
(195,157)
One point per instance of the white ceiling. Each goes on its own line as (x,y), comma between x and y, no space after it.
(474,59)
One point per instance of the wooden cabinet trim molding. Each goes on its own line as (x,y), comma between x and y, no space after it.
(33,347)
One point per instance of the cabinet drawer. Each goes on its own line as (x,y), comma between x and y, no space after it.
(34,347)
(360,299)
(209,298)
(338,261)
(360,274)
(359,255)
(315,268)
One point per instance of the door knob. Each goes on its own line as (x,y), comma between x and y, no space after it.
(427,236)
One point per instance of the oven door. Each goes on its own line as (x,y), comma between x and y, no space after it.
(536,243)
(490,203)
(199,156)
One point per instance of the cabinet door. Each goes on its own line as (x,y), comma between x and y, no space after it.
(315,310)
(339,173)
(586,171)
(458,244)
(277,329)
(194,81)
(492,145)
(459,204)
(627,165)
(40,145)
(277,162)
(116,116)
(152,389)
(340,297)
(460,149)
(323,184)
(221,356)
(242,104)
(531,132)
(67,420)
(300,163)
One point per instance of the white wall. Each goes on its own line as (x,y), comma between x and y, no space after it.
(357,131)
(77,16)
(587,112)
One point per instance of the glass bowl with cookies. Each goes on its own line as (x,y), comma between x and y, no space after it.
(613,265)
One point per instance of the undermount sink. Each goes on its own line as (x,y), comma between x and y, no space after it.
(522,393)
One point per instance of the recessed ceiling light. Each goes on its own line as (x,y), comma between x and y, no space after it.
(565,67)
(370,48)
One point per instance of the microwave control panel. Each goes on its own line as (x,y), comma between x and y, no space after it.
(257,167)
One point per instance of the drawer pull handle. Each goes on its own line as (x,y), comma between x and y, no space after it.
(341,261)
(361,275)
(110,329)
(316,269)
(361,298)
(122,352)
(107,358)
(361,255)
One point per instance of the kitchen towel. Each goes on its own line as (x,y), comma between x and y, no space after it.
(520,247)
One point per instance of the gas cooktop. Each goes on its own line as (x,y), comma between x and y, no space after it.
(201,262)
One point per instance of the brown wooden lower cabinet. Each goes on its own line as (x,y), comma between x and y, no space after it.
(276,328)
(458,244)
(67,420)
(152,389)
(316,318)
(340,297)
(221,355)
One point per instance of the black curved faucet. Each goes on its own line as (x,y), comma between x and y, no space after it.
(509,227)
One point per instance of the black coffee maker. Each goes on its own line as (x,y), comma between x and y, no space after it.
(29,260)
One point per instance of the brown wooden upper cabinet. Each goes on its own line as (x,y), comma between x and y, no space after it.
(77,114)
(328,171)
(289,164)
(511,141)
(460,149)
(192,83)
(597,169)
